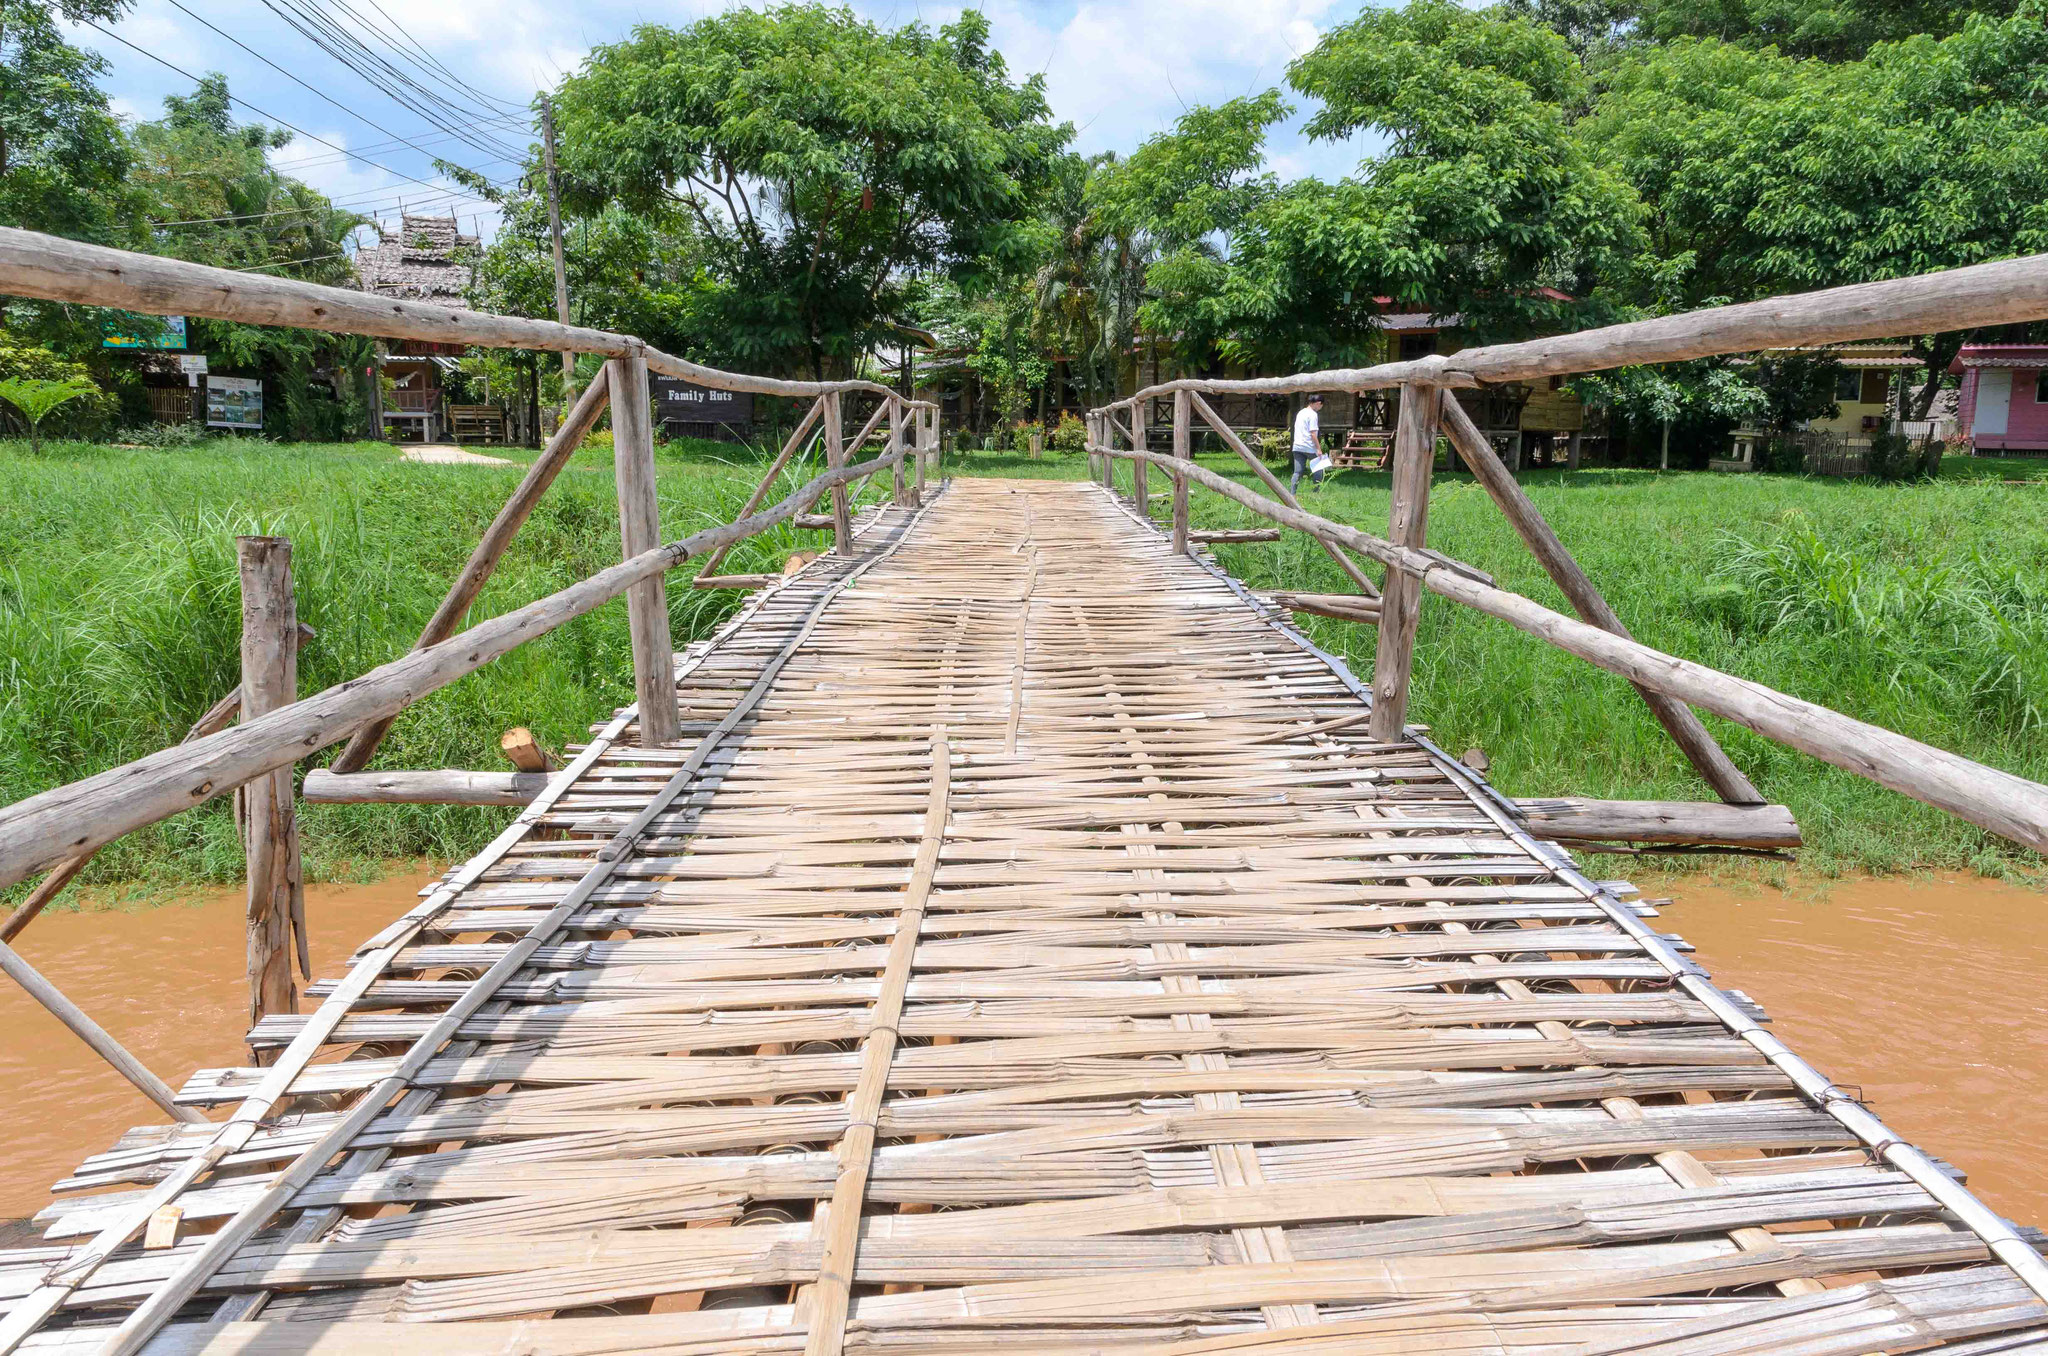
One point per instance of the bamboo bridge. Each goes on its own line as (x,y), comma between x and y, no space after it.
(1007,932)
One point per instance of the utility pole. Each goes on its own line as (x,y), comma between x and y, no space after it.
(547,141)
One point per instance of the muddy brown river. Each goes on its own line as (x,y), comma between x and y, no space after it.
(1926,994)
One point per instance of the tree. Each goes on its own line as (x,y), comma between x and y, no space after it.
(824,160)
(63,160)
(1764,175)
(1190,195)
(35,398)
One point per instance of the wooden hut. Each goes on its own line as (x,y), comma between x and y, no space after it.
(2003,403)
(425,259)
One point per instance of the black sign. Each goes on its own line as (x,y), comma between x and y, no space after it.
(684,402)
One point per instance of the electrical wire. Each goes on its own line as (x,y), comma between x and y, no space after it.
(330,31)
(261,113)
(318,93)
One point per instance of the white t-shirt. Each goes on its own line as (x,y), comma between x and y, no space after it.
(1306,427)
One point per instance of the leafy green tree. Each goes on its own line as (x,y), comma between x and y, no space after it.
(824,160)
(637,272)
(63,160)
(35,398)
(1763,174)
(1089,280)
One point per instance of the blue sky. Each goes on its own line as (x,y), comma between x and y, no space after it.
(1119,72)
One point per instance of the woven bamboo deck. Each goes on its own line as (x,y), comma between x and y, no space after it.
(1025,949)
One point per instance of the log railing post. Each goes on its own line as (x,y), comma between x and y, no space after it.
(270,836)
(654,667)
(1141,416)
(924,430)
(1408,521)
(1182,451)
(899,481)
(835,458)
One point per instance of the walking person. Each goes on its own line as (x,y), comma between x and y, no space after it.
(1308,432)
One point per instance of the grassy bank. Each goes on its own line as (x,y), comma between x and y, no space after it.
(1923,608)
(1919,607)
(120,615)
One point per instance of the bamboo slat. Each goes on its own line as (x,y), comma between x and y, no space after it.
(1028,948)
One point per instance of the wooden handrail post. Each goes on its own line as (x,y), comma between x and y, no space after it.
(1141,417)
(654,662)
(1182,451)
(1407,525)
(924,429)
(835,458)
(1708,758)
(270,836)
(899,483)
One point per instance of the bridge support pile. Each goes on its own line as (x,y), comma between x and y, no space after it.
(1024,946)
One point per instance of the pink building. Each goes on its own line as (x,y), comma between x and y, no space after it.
(2003,404)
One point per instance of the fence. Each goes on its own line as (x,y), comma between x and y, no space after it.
(2000,293)
(2005,804)
(60,829)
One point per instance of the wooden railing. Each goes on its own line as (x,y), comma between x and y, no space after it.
(1986,294)
(60,829)
(2013,807)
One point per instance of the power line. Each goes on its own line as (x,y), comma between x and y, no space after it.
(261,113)
(321,94)
(363,209)
(435,62)
(330,32)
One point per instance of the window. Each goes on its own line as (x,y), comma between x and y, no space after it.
(1415,346)
(1848,385)
(2041,387)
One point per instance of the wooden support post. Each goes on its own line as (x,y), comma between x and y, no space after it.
(927,444)
(1408,522)
(835,458)
(270,837)
(1708,758)
(1182,433)
(1141,416)
(654,663)
(89,1031)
(1572,448)
(899,481)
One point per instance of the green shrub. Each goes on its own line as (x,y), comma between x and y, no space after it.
(1892,455)
(1071,435)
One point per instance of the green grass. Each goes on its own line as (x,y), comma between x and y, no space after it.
(1917,607)
(120,616)
(1923,608)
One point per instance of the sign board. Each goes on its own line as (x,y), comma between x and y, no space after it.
(234,402)
(172,335)
(193,366)
(684,402)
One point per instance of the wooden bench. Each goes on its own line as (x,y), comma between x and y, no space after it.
(476,423)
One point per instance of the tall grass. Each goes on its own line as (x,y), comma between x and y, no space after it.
(120,616)
(1923,608)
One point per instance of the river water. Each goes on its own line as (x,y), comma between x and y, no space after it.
(1926,994)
